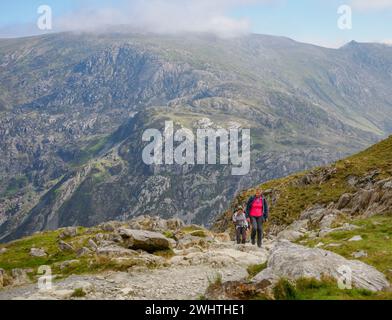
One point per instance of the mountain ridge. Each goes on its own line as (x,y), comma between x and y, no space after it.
(71,93)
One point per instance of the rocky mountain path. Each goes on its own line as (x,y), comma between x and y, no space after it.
(187,277)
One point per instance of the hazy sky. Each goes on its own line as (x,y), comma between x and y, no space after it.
(312,21)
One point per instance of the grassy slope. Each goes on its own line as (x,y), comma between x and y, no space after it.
(376,233)
(294,198)
(18,253)
(325,289)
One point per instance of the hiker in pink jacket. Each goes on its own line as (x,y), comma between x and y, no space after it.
(257,213)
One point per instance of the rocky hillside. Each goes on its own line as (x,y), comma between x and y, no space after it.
(73,108)
(356,186)
(151,258)
(145,258)
(321,220)
(320,216)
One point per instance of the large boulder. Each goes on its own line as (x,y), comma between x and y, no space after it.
(2,274)
(110,226)
(156,224)
(327,221)
(39,253)
(294,231)
(344,201)
(189,241)
(385,184)
(20,276)
(291,235)
(115,251)
(361,200)
(83,252)
(5,279)
(64,246)
(93,246)
(345,227)
(67,264)
(69,233)
(313,214)
(222,237)
(148,223)
(174,224)
(144,240)
(320,216)
(288,260)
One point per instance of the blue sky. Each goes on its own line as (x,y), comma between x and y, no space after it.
(312,21)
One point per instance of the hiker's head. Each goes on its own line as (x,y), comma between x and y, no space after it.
(259,192)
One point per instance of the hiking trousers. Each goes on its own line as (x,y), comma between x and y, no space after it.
(257,230)
(241,235)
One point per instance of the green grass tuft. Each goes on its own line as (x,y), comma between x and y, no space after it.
(255,269)
(324,289)
(216,280)
(285,290)
(78,293)
(169,234)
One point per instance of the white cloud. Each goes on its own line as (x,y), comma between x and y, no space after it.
(164,16)
(371,4)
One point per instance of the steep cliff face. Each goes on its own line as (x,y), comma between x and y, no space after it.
(73,109)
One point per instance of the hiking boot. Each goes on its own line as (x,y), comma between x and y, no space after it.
(253,242)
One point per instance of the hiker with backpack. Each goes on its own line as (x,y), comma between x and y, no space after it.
(257,213)
(241,225)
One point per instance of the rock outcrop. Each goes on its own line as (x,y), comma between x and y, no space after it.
(2,274)
(20,276)
(68,233)
(64,246)
(288,260)
(34,252)
(144,240)
(373,197)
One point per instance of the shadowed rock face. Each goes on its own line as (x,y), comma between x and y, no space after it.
(73,109)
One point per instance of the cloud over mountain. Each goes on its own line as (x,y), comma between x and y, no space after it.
(164,16)
(372,4)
